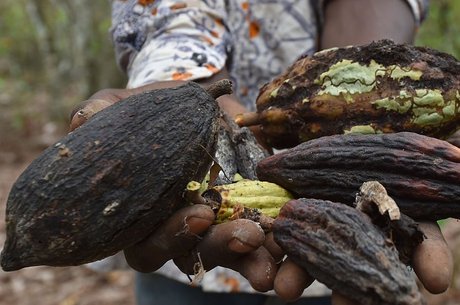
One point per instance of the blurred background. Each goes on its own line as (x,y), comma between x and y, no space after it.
(53,55)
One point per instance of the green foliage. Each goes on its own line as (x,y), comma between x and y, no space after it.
(15,46)
(53,55)
(441,29)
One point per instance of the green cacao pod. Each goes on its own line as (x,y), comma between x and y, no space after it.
(264,196)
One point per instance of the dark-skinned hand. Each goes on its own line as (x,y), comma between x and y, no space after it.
(189,236)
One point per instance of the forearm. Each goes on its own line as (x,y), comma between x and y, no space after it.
(352,22)
(104,98)
(228,103)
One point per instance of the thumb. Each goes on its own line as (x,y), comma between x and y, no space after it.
(175,237)
(433,261)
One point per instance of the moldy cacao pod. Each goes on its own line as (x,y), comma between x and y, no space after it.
(342,248)
(380,87)
(420,173)
(109,183)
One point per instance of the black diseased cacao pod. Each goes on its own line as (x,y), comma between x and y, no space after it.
(420,173)
(339,246)
(109,183)
(380,87)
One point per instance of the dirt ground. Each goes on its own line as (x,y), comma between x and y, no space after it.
(80,286)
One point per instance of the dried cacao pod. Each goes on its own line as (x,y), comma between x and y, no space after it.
(420,173)
(375,88)
(238,152)
(339,246)
(109,183)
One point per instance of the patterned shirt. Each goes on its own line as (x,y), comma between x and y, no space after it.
(157,40)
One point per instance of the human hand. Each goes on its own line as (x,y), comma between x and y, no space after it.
(258,257)
(194,244)
(107,97)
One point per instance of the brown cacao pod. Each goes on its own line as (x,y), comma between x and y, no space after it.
(420,173)
(380,87)
(339,246)
(109,183)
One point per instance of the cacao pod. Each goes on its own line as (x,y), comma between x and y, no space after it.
(339,246)
(264,196)
(109,183)
(380,87)
(420,173)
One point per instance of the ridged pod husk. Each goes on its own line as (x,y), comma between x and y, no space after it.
(264,196)
(380,87)
(339,246)
(420,173)
(109,183)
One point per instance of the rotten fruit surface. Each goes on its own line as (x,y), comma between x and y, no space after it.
(420,173)
(249,199)
(237,152)
(382,87)
(342,248)
(109,183)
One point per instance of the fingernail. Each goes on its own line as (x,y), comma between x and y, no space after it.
(197,225)
(238,246)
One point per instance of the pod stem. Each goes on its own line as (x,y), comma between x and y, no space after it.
(213,199)
(219,88)
(402,230)
(374,193)
(194,196)
(248,119)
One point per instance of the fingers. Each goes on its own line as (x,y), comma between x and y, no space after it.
(86,110)
(177,236)
(97,102)
(224,243)
(433,262)
(106,97)
(273,248)
(338,299)
(291,280)
(258,267)
(236,245)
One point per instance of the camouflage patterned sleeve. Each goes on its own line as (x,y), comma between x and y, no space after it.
(169,39)
(419,8)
